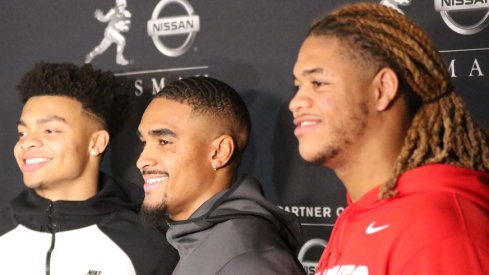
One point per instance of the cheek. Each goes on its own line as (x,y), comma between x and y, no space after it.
(70,150)
(325,104)
(187,168)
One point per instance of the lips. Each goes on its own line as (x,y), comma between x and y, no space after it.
(304,125)
(34,163)
(153,181)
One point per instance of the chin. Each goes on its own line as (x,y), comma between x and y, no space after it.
(154,204)
(308,155)
(32,184)
(156,215)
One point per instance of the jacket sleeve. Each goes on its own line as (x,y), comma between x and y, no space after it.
(456,256)
(266,262)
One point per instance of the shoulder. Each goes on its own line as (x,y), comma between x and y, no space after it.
(7,220)
(437,226)
(254,246)
(437,213)
(145,245)
(253,231)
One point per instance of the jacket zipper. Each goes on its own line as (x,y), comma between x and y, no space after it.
(51,228)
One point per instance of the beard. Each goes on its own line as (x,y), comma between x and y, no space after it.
(325,155)
(156,216)
(344,137)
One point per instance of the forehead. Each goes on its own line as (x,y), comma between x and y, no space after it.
(176,116)
(330,56)
(315,52)
(161,109)
(39,107)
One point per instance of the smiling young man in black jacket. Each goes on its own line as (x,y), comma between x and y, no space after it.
(72,219)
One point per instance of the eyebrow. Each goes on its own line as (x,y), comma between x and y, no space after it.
(44,120)
(310,71)
(159,132)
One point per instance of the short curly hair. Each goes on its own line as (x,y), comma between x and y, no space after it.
(98,91)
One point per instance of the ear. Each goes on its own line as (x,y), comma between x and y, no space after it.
(386,88)
(222,149)
(98,142)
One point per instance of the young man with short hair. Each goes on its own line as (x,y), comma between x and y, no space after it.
(72,219)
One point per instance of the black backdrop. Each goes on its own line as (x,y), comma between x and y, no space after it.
(252,45)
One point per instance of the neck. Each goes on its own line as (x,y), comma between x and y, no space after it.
(371,162)
(215,183)
(79,189)
(366,172)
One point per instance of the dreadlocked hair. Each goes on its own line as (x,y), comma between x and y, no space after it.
(442,129)
(207,95)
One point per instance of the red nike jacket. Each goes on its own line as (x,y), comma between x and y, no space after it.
(437,224)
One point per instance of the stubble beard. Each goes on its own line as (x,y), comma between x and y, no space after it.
(156,215)
(344,136)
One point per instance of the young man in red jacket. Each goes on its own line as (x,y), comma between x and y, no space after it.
(375,103)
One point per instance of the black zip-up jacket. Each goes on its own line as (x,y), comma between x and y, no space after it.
(99,236)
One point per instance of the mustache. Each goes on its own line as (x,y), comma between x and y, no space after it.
(154,172)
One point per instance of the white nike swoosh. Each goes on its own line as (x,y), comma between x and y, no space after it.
(371,229)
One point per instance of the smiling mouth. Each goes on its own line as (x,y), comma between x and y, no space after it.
(33,161)
(156,180)
(32,164)
(303,126)
(307,123)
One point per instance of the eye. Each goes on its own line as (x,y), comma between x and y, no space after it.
(142,142)
(318,84)
(21,134)
(51,131)
(164,142)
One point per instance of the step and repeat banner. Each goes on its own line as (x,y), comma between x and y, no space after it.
(250,44)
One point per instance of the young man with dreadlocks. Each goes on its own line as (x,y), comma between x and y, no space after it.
(72,219)
(374,103)
(194,133)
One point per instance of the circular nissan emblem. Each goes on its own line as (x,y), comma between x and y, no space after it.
(444,7)
(308,245)
(462,29)
(166,26)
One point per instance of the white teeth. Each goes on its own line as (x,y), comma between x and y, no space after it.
(308,123)
(156,180)
(36,160)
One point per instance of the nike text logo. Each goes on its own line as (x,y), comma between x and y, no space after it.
(371,229)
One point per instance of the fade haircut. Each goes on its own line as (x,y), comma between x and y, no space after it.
(442,129)
(98,91)
(209,96)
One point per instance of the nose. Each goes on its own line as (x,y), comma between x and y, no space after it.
(29,141)
(146,159)
(300,101)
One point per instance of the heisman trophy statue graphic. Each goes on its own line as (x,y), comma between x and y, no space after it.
(119,20)
(395,4)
